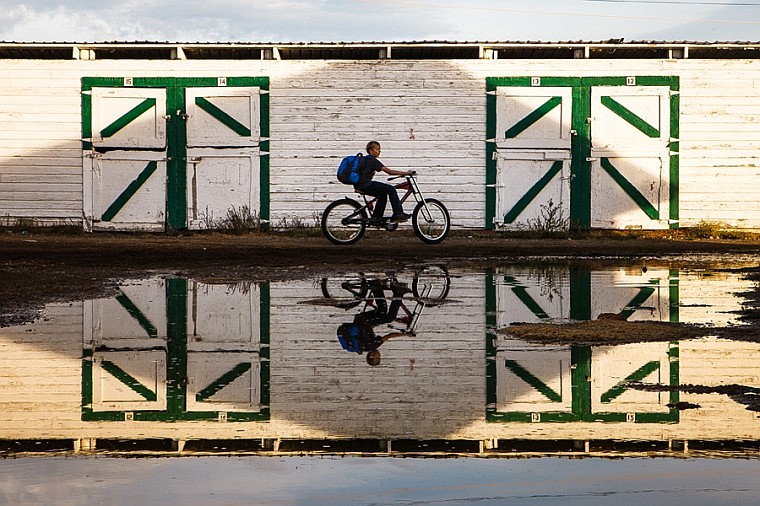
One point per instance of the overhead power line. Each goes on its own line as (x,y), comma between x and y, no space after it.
(676,2)
(470,7)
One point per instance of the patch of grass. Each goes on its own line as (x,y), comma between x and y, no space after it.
(299,227)
(29,225)
(550,219)
(703,230)
(239,220)
(550,223)
(714,230)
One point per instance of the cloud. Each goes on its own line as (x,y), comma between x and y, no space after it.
(363,20)
(204,21)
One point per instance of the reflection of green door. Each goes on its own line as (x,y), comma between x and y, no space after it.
(140,371)
(533,383)
(589,152)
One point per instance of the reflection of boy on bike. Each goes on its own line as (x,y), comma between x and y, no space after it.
(360,336)
(382,191)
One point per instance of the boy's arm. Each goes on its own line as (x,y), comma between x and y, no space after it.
(393,172)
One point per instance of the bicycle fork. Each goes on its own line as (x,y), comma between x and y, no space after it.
(418,198)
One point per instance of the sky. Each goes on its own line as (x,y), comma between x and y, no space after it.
(279,21)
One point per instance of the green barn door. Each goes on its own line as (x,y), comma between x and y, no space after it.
(223,152)
(170,349)
(124,168)
(533,153)
(530,382)
(173,152)
(630,157)
(582,152)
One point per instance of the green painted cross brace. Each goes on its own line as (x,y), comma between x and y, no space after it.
(223,117)
(531,118)
(525,298)
(644,293)
(129,117)
(631,117)
(119,373)
(223,381)
(129,191)
(138,315)
(531,194)
(531,380)
(636,376)
(631,190)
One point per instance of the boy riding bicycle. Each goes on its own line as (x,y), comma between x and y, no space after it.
(382,191)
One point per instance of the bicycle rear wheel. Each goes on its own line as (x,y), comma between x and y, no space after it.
(431,221)
(352,287)
(344,221)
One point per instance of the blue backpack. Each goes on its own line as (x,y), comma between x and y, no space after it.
(348,335)
(350,169)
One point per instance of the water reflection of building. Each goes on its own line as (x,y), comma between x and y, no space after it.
(169,349)
(530,382)
(188,363)
(533,382)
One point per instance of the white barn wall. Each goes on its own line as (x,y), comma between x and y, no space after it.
(429,116)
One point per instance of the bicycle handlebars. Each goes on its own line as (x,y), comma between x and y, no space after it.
(414,173)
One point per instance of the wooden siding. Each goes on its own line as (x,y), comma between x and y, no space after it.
(429,115)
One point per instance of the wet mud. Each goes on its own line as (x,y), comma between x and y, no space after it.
(611,331)
(38,267)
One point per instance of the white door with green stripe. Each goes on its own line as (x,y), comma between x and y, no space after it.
(533,156)
(127,336)
(129,118)
(125,172)
(223,139)
(173,152)
(224,346)
(630,157)
(127,190)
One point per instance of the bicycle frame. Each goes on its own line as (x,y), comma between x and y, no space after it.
(410,185)
(370,300)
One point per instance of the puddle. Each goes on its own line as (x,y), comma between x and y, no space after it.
(417,361)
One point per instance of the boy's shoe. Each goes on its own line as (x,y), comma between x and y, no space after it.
(400,217)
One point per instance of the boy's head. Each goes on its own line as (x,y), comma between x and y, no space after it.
(372,145)
(373,357)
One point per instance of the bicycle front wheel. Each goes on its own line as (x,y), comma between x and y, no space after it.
(344,221)
(430,221)
(431,283)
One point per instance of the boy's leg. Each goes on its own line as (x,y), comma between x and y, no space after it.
(395,201)
(379,190)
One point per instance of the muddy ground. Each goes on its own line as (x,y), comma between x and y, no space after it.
(38,267)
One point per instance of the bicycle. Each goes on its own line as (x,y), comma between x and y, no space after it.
(430,283)
(344,221)
(429,288)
